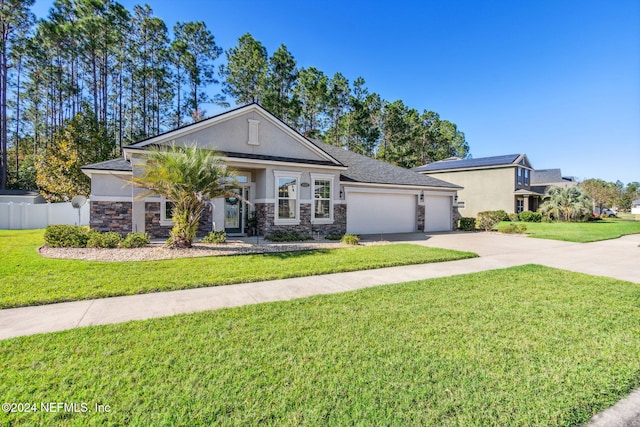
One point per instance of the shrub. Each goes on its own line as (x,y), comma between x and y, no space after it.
(501,215)
(110,239)
(513,228)
(135,240)
(467,224)
(66,236)
(215,237)
(514,217)
(286,236)
(487,220)
(334,236)
(350,239)
(528,216)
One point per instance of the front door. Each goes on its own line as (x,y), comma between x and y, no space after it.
(234,212)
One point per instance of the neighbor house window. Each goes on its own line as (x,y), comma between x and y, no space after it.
(526,177)
(322,190)
(519,205)
(287,196)
(519,175)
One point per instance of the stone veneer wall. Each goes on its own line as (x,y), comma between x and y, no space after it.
(455,216)
(421,217)
(156,230)
(265,212)
(111,216)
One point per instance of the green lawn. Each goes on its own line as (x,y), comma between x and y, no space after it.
(527,346)
(26,278)
(582,232)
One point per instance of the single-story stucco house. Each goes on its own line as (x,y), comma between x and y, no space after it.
(290,182)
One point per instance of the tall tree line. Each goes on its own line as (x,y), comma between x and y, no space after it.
(96,61)
(335,110)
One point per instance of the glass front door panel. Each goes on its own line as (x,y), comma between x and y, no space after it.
(232,215)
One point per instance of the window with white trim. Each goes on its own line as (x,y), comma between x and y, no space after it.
(166,211)
(321,199)
(287,196)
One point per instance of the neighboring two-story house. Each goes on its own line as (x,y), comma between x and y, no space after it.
(490,183)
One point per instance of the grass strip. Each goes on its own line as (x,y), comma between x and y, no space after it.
(527,345)
(582,232)
(26,278)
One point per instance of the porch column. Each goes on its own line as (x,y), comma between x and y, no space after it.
(525,206)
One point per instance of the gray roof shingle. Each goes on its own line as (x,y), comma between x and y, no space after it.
(546,176)
(469,163)
(367,170)
(119,164)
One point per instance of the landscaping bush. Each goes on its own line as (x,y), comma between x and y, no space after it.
(287,236)
(350,239)
(528,216)
(501,215)
(135,240)
(514,217)
(513,228)
(334,236)
(66,236)
(215,237)
(488,220)
(467,224)
(110,239)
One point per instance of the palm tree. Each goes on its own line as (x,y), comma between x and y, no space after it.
(188,177)
(565,204)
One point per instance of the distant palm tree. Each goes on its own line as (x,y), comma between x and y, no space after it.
(566,204)
(188,177)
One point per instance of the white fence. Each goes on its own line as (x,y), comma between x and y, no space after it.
(22,216)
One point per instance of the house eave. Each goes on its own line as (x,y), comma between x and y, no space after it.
(90,172)
(235,160)
(466,169)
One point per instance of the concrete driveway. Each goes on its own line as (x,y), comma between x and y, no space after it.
(616,258)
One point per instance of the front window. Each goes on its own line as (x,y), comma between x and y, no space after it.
(167,208)
(322,194)
(520,205)
(322,199)
(287,198)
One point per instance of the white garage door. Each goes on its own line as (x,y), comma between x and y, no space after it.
(372,213)
(437,213)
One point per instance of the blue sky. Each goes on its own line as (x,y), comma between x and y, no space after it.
(558,80)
